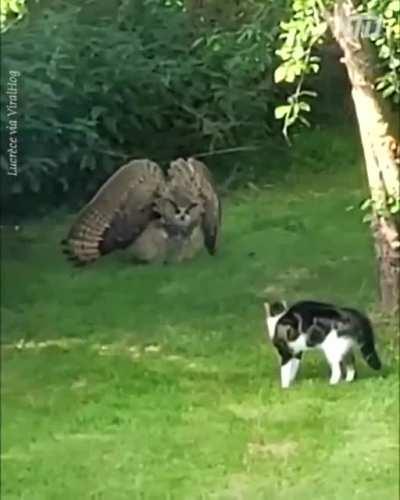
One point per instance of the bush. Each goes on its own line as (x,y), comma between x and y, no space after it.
(141,80)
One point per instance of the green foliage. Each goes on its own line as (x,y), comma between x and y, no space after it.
(11,11)
(388,47)
(300,35)
(158,382)
(386,207)
(140,80)
(307,28)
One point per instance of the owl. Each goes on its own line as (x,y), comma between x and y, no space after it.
(158,217)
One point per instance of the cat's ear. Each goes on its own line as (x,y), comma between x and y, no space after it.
(277,308)
(267,308)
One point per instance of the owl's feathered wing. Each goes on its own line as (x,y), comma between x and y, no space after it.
(195,178)
(117,214)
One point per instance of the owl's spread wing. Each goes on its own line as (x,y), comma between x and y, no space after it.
(117,214)
(196,178)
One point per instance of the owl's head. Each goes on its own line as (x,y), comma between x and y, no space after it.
(179,211)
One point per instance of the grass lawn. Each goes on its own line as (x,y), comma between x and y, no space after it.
(138,382)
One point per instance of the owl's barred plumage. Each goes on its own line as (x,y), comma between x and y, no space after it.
(139,200)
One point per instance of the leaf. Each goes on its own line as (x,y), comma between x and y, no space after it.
(304,106)
(384,52)
(390,90)
(394,6)
(367,218)
(298,52)
(321,29)
(282,111)
(280,73)
(366,204)
(394,63)
(304,121)
(381,84)
(16,6)
(291,74)
(197,42)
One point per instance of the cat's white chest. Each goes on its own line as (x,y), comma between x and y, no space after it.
(298,345)
(271,323)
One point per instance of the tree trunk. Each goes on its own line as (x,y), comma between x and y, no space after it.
(381,151)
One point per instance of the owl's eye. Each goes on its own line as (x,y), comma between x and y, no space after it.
(174,205)
(191,207)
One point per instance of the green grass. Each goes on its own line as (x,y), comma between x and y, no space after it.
(158,383)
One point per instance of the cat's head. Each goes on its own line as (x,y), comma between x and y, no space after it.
(273,312)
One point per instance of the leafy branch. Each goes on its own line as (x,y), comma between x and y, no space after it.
(307,28)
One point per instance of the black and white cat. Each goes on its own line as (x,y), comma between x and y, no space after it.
(334,330)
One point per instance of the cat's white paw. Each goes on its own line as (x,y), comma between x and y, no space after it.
(334,380)
(336,374)
(286,374)
(350,374)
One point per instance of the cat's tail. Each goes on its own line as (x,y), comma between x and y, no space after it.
(367,346)
(371,356)
(359,322)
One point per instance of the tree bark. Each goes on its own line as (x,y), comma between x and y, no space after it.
(380,141)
